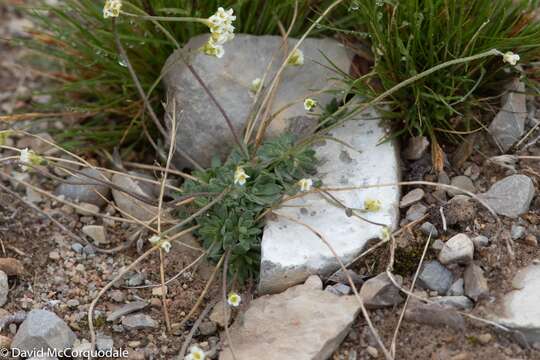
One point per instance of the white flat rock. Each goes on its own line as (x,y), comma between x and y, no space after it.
(290,251)
(522,305)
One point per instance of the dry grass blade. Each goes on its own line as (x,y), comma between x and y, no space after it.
(265,103)
(224,298)
(194,329)
(204,292)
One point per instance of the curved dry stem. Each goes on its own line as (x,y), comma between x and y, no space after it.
(386,353)
(264,124)
(385,94)
(224,298)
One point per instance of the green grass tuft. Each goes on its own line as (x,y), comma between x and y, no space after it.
(410,36)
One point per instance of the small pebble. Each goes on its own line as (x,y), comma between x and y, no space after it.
(372,351)
(531,240)
(485,338)
(428,228)
(89,250)
(517,232)
(78,248)
(73,303)
(54,255)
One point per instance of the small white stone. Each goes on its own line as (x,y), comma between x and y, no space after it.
(457,250)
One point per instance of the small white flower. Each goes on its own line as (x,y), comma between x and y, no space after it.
(309,104)
(255,85)
(372,205)
(24,156)
(195,353)
(112,8)
(305,184)
(240,176)
(511,58)
(166,246)
(234,299)
(27,156)
(297,58)
(385,234)
(154,239)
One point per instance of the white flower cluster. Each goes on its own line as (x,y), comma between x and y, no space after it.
(511,58)
(112,8)
(222,30)
(27,156)
(195,353)
(296,58)
(305,184)
(164,244)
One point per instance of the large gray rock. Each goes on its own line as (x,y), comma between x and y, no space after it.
(510,196)
(521,310)
(42,329)
(302,323)
(202,132)
(508,125)
(83,188)
(291,251)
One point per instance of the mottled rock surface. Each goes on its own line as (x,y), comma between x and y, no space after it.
(137,208)
(291,251)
